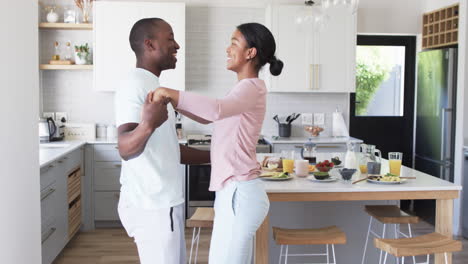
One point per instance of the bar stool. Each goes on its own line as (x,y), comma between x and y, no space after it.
(203,217)
(388,214)
(321,236)
(426,244)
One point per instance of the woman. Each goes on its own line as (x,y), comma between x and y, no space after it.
(241,202)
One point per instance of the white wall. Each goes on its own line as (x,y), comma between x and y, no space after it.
(20,240)
(208,31)
(389,17)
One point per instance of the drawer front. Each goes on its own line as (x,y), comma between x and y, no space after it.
(49,174)
(107,176)
(105,206)
(277,148)
(73,161)
(106,153)
(51,243)
(49,202)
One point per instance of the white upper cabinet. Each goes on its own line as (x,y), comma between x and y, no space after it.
(314,61)
(113,57)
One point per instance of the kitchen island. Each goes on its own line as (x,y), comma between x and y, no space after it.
(341,204)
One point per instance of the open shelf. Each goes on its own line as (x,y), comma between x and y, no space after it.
(68,26)
(65,67)
(440,27)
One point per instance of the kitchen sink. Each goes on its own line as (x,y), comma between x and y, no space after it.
(53,145)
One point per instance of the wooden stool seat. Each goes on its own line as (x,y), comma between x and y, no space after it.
(422,245)
(390,214)
(203,217)
(320,236)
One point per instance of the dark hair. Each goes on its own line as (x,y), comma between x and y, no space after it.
(141,30)
(258,36)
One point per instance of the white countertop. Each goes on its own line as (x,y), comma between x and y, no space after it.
(319,139)
(423,182)
(50,152)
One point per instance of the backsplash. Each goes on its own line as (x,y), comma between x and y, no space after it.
(208,32)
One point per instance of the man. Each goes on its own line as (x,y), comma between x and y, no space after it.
(151,200)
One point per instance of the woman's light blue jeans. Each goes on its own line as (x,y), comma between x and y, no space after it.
(240,208)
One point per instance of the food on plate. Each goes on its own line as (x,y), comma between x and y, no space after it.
(325,166)
(321,175)
(336,161)
(269,173)
(311,168)
(271,162)
(272,165)
(281,175)
(386,178)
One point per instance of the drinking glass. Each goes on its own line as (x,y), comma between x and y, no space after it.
(394,161)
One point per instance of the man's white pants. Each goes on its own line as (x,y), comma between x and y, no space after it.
(158,234)
(240,208)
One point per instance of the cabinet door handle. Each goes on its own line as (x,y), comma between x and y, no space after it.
(46,194)
(118,165)
(117,195)
(116,147)
(50,167)
(48,234)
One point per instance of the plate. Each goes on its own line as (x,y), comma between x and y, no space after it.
(275,179)
(331,179)
(386,182)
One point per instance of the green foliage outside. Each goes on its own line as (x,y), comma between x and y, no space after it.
(373,68)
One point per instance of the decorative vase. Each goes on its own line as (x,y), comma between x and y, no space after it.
(81,58)
(52,17)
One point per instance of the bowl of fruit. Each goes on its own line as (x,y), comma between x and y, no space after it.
(324,166)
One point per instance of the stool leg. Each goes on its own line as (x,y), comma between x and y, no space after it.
(385,259)
(402,260)
(191,247)
(286,257)
(328,256)
(281,253)
(427,259)
(198,241)
(334,257)
(383,236)
(446,259)
(367,240)
(396,237)
(411,235)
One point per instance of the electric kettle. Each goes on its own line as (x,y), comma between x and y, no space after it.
(47,129)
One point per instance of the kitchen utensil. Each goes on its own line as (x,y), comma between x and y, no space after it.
(47,129)
(308,152)
(284,130)
(294,118)
(276,119)
(360,180)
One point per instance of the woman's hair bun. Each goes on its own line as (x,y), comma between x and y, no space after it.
(276,66)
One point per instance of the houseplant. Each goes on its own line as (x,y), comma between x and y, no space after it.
(82,54)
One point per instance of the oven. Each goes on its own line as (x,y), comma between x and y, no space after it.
(198,176)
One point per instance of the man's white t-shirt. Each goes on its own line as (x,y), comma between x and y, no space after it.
(153,179)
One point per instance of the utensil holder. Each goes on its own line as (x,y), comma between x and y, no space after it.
(284,130)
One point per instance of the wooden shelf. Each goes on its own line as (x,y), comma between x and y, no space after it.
(440,27)
(65,67)
(68,26)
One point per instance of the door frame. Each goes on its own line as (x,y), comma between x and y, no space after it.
(409,103)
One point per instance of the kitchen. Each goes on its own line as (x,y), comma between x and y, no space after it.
(207,26)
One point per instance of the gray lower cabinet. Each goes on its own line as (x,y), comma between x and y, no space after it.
(54,204)
(102,189)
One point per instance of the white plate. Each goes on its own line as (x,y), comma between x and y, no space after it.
(331,179)
(275,179)
(386,182)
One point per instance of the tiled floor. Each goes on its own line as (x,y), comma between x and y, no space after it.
(114,246)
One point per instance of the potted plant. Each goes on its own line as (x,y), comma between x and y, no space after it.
(82,53)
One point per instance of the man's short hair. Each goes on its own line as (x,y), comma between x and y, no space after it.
(141,30)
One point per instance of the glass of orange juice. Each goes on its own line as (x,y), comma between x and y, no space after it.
(394,161)
(288,161)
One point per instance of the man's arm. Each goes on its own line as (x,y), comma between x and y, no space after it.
(132,137)
(193,156)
